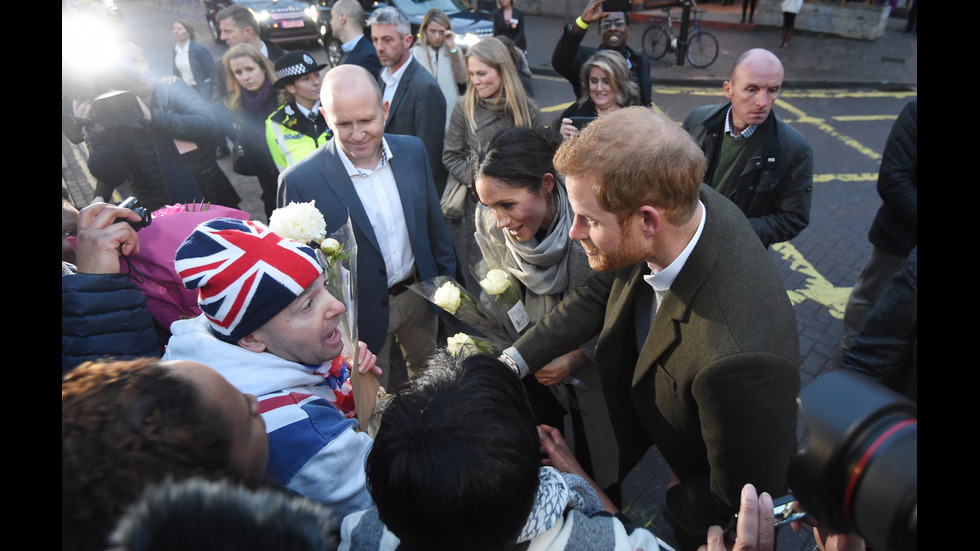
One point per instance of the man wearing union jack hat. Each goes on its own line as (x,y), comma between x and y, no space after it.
(270,327)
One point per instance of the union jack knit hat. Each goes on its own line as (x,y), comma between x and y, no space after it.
(246,274)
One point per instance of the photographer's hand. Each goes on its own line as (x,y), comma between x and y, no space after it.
(755,530)
(101,238)
(593,12)
(83,111)
(568,129)
(829,541)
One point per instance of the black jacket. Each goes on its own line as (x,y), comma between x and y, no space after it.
(104,315)
(775,187)
(146,154)
(569,56)
(895,229)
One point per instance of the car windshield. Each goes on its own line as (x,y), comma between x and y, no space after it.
(418,8)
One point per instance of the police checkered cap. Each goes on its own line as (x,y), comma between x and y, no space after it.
(292,65)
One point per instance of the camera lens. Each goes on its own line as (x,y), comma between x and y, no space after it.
(146,217)
(858,473)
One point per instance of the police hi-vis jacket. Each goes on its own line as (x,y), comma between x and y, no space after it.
(292,136)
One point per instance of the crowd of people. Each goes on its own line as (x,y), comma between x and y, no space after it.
(643,333)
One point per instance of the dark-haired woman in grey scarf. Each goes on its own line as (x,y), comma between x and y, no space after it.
(523,219)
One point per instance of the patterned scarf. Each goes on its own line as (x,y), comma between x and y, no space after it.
(557,492)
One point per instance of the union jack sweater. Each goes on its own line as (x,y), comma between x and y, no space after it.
(314,448)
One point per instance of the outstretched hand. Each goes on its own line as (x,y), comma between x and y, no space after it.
(366,360)
(593,12)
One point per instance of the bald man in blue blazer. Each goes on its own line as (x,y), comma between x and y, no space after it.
(384,183)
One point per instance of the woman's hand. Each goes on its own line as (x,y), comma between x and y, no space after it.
(556,370)
(366,360)
(568,129)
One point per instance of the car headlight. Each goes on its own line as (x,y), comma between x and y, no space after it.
(467,39)
(261,15)
(312,13)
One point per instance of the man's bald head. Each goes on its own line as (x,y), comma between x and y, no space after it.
(759,56)
(349,80)
(350,100)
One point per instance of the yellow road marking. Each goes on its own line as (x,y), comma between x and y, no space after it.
(864,118)
(817,287)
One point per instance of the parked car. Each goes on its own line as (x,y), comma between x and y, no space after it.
(469,24)
(279,20)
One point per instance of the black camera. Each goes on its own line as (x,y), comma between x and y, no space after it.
(145,216)
(116,108)
(858,471)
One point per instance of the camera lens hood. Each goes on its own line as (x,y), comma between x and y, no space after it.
(858,472)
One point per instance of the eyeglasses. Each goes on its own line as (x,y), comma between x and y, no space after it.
(619,24)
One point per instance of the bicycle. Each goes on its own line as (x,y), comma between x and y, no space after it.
(702,46)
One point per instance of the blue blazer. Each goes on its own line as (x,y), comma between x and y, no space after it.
(321,176)
(202,67)
(364,55)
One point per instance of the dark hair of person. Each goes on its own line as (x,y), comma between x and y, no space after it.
(201,515)
(125,424)
(240,15)
(517,157)
(455,462)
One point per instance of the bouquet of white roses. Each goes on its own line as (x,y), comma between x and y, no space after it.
(446,293)
(337,253)
(500,292)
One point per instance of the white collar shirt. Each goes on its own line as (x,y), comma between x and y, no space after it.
(381,200)
(182,61)
(391,80)
(662,280)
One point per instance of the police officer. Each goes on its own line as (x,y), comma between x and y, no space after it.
(297,128)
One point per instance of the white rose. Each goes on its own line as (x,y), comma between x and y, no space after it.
(447,297)
(330,246)
(496,282)
(301,222)
(459,343)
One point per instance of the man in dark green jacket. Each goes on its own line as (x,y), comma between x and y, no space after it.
(698,350)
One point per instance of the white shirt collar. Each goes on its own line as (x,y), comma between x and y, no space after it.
(662,280)
(391,79)
(353,171)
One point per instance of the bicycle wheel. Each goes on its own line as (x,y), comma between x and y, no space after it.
(702,50)
(656,42)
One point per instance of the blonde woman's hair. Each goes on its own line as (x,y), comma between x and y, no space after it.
(614,65)
(234,100)
(492,52)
